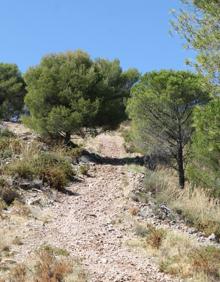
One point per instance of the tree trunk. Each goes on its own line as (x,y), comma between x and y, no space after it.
(67,138)
(180,164)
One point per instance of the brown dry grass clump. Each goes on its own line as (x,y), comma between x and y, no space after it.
(47,266)
(155,236)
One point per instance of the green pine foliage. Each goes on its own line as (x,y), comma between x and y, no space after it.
(12,90)
(61,93)
(161,108)
(204,168)
(198,23)
(68,91)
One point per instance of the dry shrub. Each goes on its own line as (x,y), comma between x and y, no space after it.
(133,211)
(49,269)
(18,273)
(49,265)
(155,236)
(198,209)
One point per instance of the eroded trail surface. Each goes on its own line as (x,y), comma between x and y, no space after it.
(95,223)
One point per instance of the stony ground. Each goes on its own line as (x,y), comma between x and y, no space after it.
(95,224)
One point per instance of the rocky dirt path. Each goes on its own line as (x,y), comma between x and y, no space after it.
(96,224)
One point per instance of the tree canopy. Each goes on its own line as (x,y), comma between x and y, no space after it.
(12,90)
(199,25)
(69,90)
(161,108)
(113,91)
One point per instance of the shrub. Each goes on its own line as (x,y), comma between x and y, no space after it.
(129,141)
(7,193)
(134,210)
(18,273)
(155,236)
(84,169)
(50,269)
(50,167)
(48,266)
(55,177)
(174,253)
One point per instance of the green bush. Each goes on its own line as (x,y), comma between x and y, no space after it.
(204,168)
(84,169)
(53,169)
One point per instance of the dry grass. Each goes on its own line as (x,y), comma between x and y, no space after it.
(18,273)
(47,265)
(20,209)
(196,206)
(50,269)
(134,210)
(179,255)
(155,236)
(207,260)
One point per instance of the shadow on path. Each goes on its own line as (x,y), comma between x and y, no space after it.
(87,157)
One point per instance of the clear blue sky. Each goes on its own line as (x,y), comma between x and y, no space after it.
(135,31)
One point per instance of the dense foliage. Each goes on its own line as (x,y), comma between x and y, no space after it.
(204,167)
(161,108)
(69,91)
(12,90)
(113,91)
